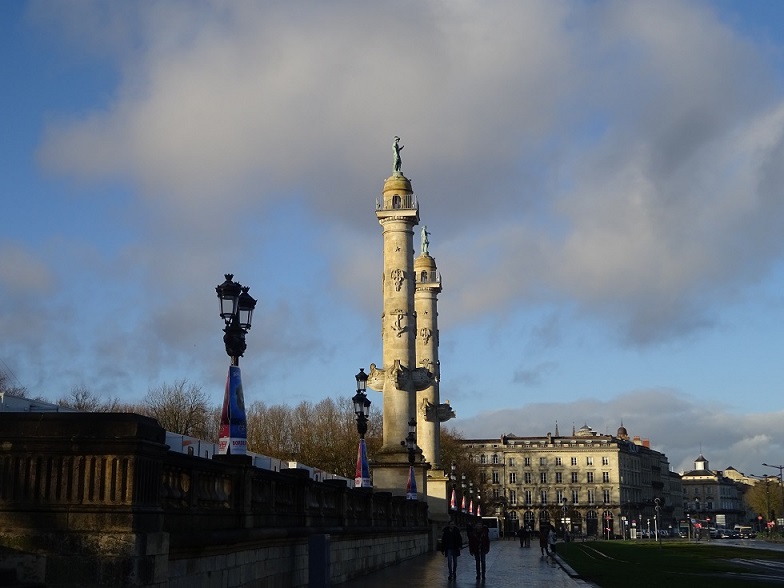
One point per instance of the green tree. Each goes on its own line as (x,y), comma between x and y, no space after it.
(765,498)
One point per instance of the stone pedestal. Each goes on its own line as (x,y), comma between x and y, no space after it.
(390,474)
(438,496)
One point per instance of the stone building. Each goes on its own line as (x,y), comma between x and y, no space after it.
(711,497)
(590,483)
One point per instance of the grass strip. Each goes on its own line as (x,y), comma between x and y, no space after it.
(621,564)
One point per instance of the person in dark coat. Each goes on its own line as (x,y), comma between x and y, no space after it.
(479,547)
(451,543)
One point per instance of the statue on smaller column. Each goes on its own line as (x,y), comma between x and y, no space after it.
(398,162)
(425,241)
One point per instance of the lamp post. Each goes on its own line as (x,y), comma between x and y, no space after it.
(781,486)
(362,410)
(453,479)
(656,518)
(463,504)
(236,310)
(410,443)
(565,508)
(478,502)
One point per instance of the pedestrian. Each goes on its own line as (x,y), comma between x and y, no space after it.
(479,547)
(528,532)
(551,542)
(451,542)
(543,532)
(521,535)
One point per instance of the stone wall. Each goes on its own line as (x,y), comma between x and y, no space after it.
(98,500)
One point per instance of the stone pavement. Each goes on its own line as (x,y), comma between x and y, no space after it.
(507,565)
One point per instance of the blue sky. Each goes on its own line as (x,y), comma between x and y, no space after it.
(602,182)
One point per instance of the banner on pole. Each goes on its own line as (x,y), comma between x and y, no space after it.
(362,474)
(411,487)
(233,432)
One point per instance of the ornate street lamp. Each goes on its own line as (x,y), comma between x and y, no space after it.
(463,505)
(362,410)
(361,403)
(236,310)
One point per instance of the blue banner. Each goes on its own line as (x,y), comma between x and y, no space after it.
(233,434)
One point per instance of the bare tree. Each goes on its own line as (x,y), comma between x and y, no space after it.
(323,435)
(7,387)
(180,408)
(81,398)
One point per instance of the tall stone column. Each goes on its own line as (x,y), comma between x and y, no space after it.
(398,378)
(428,286)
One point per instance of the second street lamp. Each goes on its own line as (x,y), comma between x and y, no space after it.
(362,410)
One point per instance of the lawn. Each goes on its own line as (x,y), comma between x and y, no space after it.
(622,564)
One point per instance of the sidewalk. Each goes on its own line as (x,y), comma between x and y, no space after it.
(507,565)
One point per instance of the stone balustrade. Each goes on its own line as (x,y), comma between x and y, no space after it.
(97,499)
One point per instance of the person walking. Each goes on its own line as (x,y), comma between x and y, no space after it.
(479,547)
(551,542)
(544,531)
(521,535)
(451,543)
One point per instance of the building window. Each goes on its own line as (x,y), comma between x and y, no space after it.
(574,461)
(589,478)
(574,477)
(527,461)
(512,461)
(528,497)
(542,461)
(591,496)
(606,496)
(512,497)
(559,496)
(483,458)
(496,477)
(495,458)
(512,478)
(483,477)
(605,477)
(575,496)
(605,461)
(557,461)
(527,477)
(543,477)
(543,496)
(513,515)
(558,477)
(589,460)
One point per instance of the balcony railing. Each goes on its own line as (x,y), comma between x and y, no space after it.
(399,202)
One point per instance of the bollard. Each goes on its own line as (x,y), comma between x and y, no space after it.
(318,561)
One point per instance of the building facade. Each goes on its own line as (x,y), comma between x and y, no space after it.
(711,498)
(587,483)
